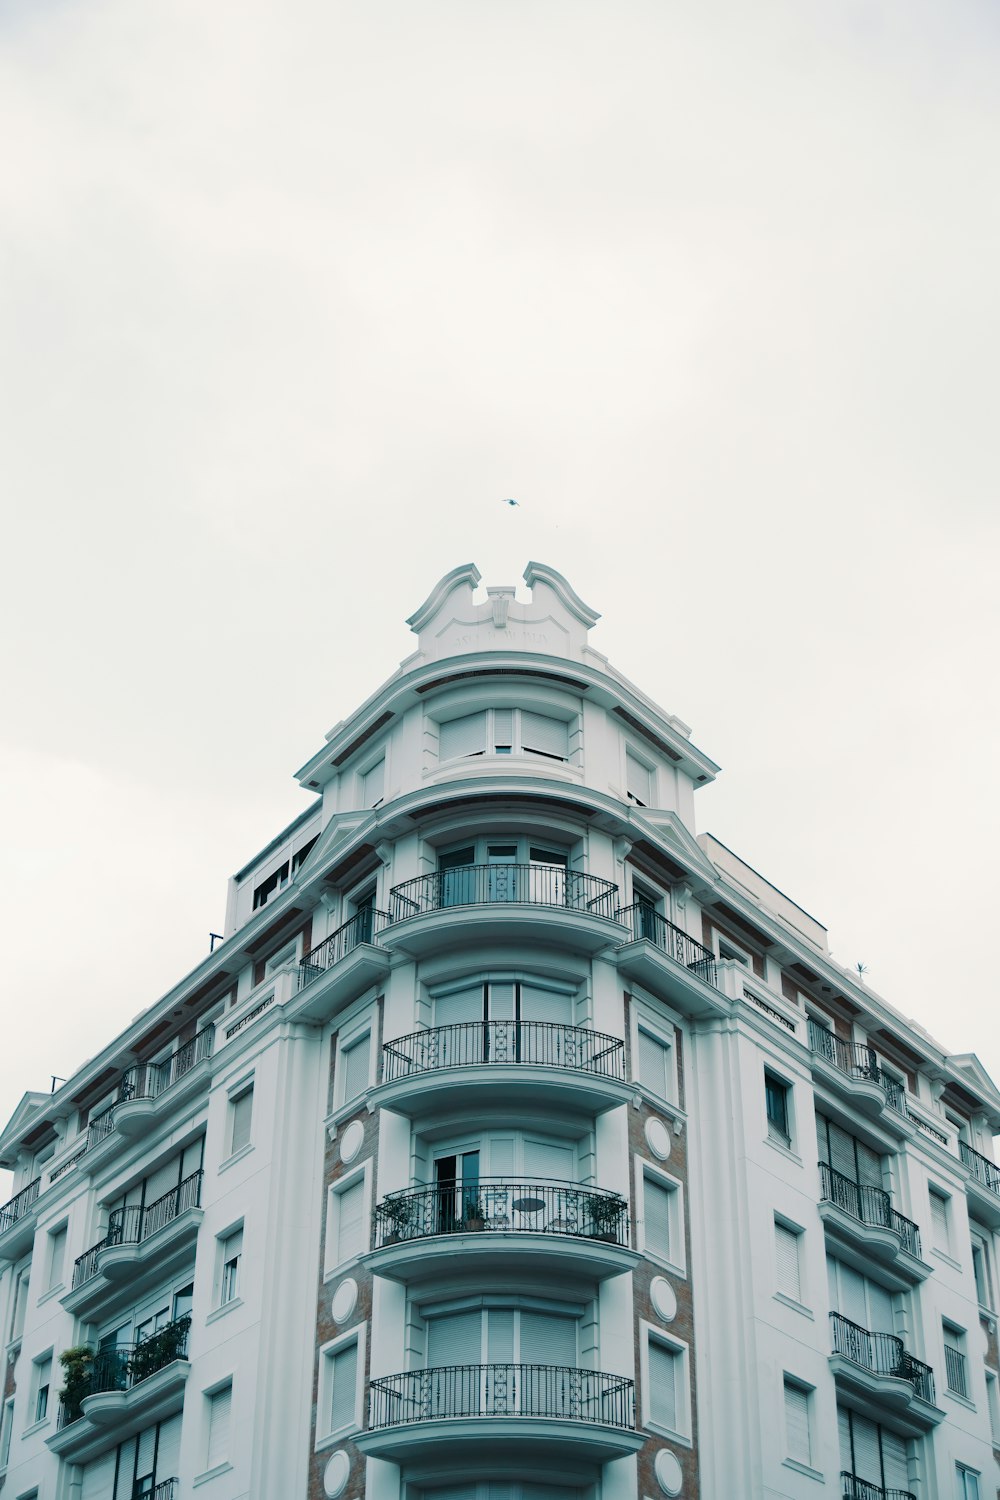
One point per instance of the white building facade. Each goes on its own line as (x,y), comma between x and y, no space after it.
(517,1143)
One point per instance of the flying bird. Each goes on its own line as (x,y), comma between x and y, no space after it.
(510,502)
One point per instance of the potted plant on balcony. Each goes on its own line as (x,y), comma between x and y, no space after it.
(159,1350)
(397,1217)
(605,1212)
(473,1214)
(78,1365)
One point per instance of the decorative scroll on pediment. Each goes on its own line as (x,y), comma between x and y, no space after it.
(554,621)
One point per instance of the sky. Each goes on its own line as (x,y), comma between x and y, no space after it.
(291,297)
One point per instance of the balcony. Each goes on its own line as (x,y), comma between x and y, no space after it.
(891,1382)
(666,960)
(862,1220)
(17,1221)
(167,1489)
(543,1227)
(503,903)
(122,1390)
(551,1413)
(142,1243)
(852,1069)
(477,1063)
(853,1488)
(341,967)
(983,1186)
(140,1091)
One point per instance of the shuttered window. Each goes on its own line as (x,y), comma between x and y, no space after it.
(786,1250)
(503,730)
(465,736)
(663,1367)
(242,1114)
(939,1222)
(654,1064)
(895,1470)
(348,1207)
(355,1061)
(220,1406)
(168,1449)
(638,780)
(541,735)
(656,1204)
(343,1388)
(547,1339)
(797,1433)
(99,1478)
(373,785)
(455,1339)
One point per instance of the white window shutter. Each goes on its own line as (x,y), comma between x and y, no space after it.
(465,736)
(638,780)
(220,1405)
(786,1245)
(663,1385)
(656,1217)
(344,1375)
(99,1478)
(543,735)
(653,1063)
(356,1059)
(797,1423)
(168,1449)
(456,1339)
(373,784)
(350,1221)
(503,727)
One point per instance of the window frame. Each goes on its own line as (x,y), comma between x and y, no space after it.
(649,1333)
(361,1173)
(631,752)
(956,1339)
(794,1383)
(324,1387)
(944,1198)
(235,1094)
(347,1038)
(782,1088)
(42,1363)
(662,1031)
(646,1169)
(208,1395)
(516,749)
(51,1283)
(963,1473)
(219,1301)
(981,1244)
(798,1234)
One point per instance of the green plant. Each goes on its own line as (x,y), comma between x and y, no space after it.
(605,1211)
(78,1366)
(160,1349)
(397,1214)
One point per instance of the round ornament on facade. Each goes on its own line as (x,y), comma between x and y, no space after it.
(336,1474)
(345,1300)
(661,1294)
(658,1139)
(669,1475)
(351,1141)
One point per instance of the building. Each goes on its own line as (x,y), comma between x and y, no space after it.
(516,1142)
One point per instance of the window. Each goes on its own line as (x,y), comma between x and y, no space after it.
(655,1064)
(967,1483)
(57,1255)
(788,1260)
(41,1380)
(981,1270)
(940,1221)
(270,887)
(240,1116)
(665,1404)
(504,731)
(6,1428)
(728,950)
(638,780)
(339,1388)
(798,1438)
(230,1255)
(955,1364)
(183,1301)
(660,1226)
(776,1099)
(19,1304)
(873,1454)
(355,1061)
(346,1220)
(993,1404)
(220,1408)
(373,785)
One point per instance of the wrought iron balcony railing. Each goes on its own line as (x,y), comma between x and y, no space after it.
(882,1353)
(646,922)
(167,1489)
(956,1371)
(149,1080)
(856,1060)
(982,1169)
(363,927)
(134,1223)
(870,1205)
(555,1391)
(853,1488)
(19,1205)
(541,1043)
(491,1204)
(524,885)
(124,1367)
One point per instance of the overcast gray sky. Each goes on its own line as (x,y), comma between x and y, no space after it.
(291,296)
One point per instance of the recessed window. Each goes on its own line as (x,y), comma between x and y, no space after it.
(270,887)
(347,1220)
(982,1270)
(940,1221)
(354,1063)
(993,1403)
(956,1367)
(218,1425)
(41,1382)
(240,1119)
(338,1398)
(967,1482)
(373,784)
(666,1395)
(6,1429)
(798,1428)
(230,1258)
(728,950)
(777,1095)
(639,780)
(56,1257)
(788,1260)
(661,1225)
(655,1070)
(504,731)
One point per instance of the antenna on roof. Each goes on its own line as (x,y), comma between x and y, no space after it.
(862,970)
(55,1080)
(213,938)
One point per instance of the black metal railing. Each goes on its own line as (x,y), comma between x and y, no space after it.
(149,1080)
(554,1391)
(363,927)
(18,1206)
(882,1353)
(126,1366)
(956,1371)
(134,1223)
(491,1204)
(541,1043)
(853,1488)
(525,885)
(856,1060)
(166,1490)
(870,1205)
(982,1169)
(646,923)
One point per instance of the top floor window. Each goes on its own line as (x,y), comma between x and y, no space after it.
(504,731)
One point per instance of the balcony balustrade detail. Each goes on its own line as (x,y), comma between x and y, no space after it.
(149,1081)
(547,1044)
(363,927)
(125,1367)
(853,1488)
(647,924)
(19,1205)
(558,1392)
(523,885)
(983,1170)
(882,1354)
(135,1223)
(956,1371)
(495,1205)
(857,1061)
(167,1489)
(869,1205)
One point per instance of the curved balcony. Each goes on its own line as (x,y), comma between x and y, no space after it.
(983,1186)
(852,1069)
(146,1092)
(17,1221)
(853,1488)
(503,903)
(668,961)
(545,1227)
(141,1244)
(479,1063)
(547,1411)
(341,967)
(877,1368)
(863,1222)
